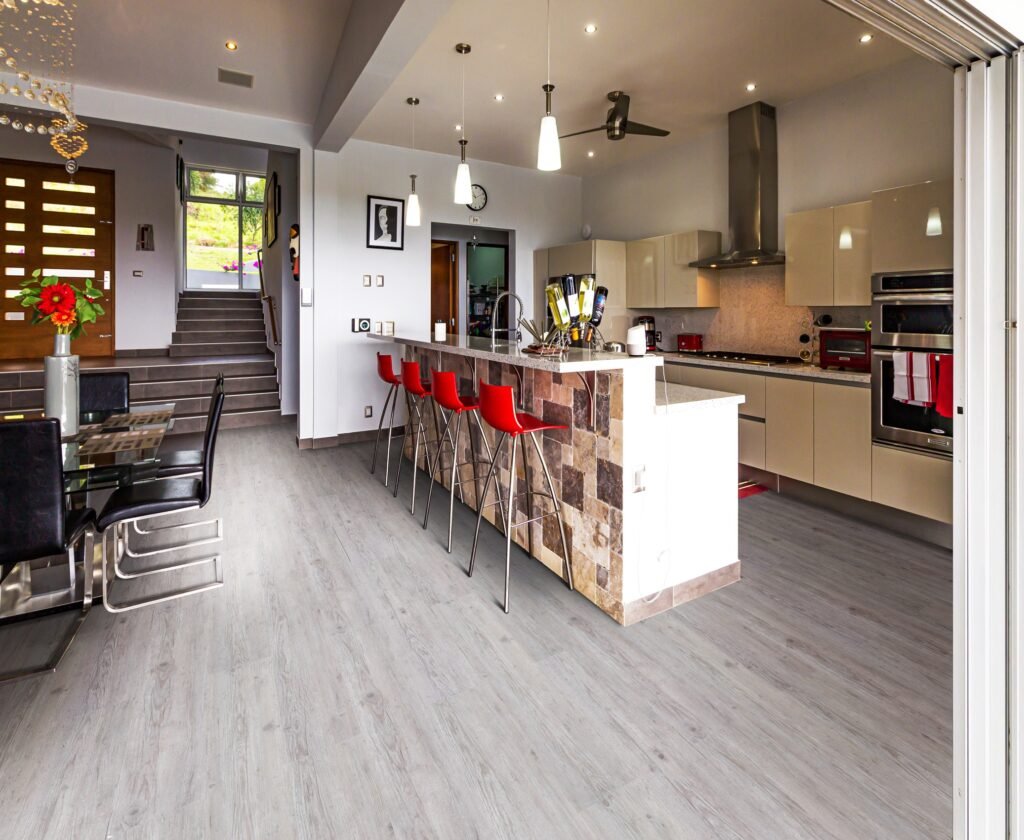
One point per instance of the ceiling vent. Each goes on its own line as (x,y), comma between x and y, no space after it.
(233,77)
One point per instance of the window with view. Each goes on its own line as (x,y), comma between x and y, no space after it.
(223,229)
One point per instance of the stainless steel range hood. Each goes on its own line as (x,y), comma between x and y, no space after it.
(753,190)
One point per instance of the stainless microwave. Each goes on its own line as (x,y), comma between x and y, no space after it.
(913,310)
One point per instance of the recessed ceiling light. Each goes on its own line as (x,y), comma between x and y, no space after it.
(590,153)
(751,87)
(590,28)
(458,127)
(231,46)
(499,97)
(866,38)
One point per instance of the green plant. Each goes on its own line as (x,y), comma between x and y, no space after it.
(65,306)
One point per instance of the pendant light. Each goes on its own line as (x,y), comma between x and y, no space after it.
(549,151)
(412,206)
(463,181)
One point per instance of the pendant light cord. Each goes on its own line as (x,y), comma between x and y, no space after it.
(549,42)
(463,123)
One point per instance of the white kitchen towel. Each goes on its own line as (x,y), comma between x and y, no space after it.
(902,386)
(923,376)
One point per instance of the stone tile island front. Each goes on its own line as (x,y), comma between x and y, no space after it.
(646,470)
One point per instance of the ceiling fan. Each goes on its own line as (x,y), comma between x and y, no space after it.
(618,124)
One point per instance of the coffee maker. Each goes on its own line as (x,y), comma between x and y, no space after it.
(647,321)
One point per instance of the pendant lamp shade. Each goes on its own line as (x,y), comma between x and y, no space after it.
(412,206)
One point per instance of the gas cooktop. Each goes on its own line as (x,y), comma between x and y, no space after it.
(747,358)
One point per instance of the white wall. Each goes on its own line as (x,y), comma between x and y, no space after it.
(143,193)
(880,130)
(542,208)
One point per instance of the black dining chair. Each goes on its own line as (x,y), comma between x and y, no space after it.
(35,524)
(150,499)
(188,463)
(106,392)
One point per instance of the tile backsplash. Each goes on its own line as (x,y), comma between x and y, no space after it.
(753,315)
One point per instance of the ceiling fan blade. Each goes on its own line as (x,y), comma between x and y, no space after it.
(577,133)
(649,130)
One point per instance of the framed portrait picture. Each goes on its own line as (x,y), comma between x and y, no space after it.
(271,209)
(385,223)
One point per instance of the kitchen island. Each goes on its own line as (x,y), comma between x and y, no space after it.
(646,470)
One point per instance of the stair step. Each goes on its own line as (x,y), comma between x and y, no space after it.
(201,324)
(173,390)
(219,348)
(186,406)
(231,420)
(205,295)
(207,336)
(192,304)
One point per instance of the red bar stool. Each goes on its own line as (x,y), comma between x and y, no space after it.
(445,388)
(417,392)
(497,405)
(386,372)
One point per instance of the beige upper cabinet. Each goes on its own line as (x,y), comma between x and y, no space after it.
(645,273)
(851,238)
(658,272)
(809,259)
(828,256)
(913,228)
(576,258)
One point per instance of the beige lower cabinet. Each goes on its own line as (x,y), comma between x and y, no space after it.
(752,442)
(912,481)
(842,439)
(789,428)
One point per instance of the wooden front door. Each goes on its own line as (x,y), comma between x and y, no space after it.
(444,284)
(64,228)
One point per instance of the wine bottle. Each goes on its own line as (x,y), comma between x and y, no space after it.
(572,300)
(556,303)
(586,294)
(600,298)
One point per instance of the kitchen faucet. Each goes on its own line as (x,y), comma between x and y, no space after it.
(494,319)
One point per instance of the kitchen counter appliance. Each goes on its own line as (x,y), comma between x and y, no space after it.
(844,349)
(689,341)
(740,356)
(647,322)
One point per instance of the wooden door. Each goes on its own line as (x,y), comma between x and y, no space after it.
(809,268)
(63,228)
(444,284)
(851,242)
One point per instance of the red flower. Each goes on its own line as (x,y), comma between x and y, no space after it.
(64,318)
(59,297)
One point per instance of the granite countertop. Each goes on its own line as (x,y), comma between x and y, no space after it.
(804,371)
(570,361)
(681,398)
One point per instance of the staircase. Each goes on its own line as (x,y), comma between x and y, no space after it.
(219,324)
(216,333)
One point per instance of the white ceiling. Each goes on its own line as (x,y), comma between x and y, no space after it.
(172,50)
(685,64)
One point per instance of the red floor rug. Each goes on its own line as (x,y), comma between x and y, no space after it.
(748,488)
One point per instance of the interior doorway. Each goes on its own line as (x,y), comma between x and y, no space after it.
(444,283)
(66,228)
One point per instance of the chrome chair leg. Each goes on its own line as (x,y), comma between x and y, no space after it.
(437,458)
(487,455)
(482,502)
(529,494)
(123,527)
(405,439)
(421,432)
(456,476)
(380,426)
(391,426)
(566,563)
(511,509)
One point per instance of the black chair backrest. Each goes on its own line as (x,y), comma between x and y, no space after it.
(210,439)
(103,392)
(31,491)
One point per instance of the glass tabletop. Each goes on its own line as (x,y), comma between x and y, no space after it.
(115,449)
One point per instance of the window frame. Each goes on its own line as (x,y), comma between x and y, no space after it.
(239,202)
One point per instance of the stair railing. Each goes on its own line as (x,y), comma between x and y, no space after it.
(268,299)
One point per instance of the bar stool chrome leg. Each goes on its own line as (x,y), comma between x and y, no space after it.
(566,564)
(510,511)
(482,501)
(391,426)
(376,443)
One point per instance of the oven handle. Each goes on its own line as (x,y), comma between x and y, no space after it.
(903,297)
(887,354)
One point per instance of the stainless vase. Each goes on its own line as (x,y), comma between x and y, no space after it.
(61,374)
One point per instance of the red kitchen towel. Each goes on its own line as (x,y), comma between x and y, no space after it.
(944,385)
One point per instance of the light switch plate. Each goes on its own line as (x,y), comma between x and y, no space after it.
(136,273)
(380,279)
(306,296)
(367,280)
(389,328)
(360,325)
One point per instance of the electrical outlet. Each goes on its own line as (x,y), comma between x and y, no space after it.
(640,480)
(657,336)
(367,411)
(474,220)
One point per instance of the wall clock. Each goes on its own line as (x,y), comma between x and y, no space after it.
(479,201)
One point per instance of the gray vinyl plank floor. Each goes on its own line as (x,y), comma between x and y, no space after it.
(349,681)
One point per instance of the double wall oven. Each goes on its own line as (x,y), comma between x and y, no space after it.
(913,312)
